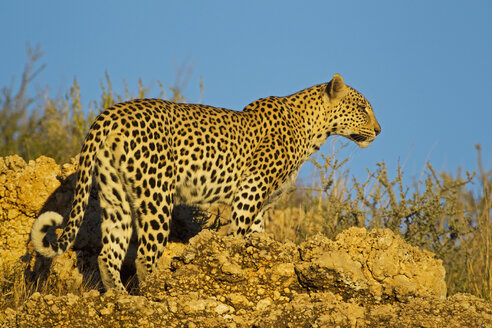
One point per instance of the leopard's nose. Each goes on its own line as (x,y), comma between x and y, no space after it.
(377,129)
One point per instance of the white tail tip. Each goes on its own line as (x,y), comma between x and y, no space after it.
(39,230)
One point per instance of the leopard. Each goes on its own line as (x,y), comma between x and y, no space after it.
(147,156)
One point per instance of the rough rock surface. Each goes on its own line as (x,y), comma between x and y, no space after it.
(24,188)
(374,266)
(361,279)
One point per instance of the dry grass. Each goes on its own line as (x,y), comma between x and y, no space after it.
(17,285)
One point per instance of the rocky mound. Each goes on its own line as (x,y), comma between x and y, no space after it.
(362,279)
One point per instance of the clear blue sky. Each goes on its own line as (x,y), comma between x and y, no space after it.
(426,66)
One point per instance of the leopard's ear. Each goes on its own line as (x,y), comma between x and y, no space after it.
(336,87)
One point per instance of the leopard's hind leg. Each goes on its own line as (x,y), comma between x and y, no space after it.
(116,223)
(153,204)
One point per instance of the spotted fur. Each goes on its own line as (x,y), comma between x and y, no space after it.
(149,155)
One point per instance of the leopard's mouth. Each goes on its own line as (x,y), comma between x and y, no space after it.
(361,140)
(358,137)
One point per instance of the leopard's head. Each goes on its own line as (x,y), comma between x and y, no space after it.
(350,113)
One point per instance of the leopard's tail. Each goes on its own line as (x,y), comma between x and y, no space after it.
(92,144)
(39,230)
